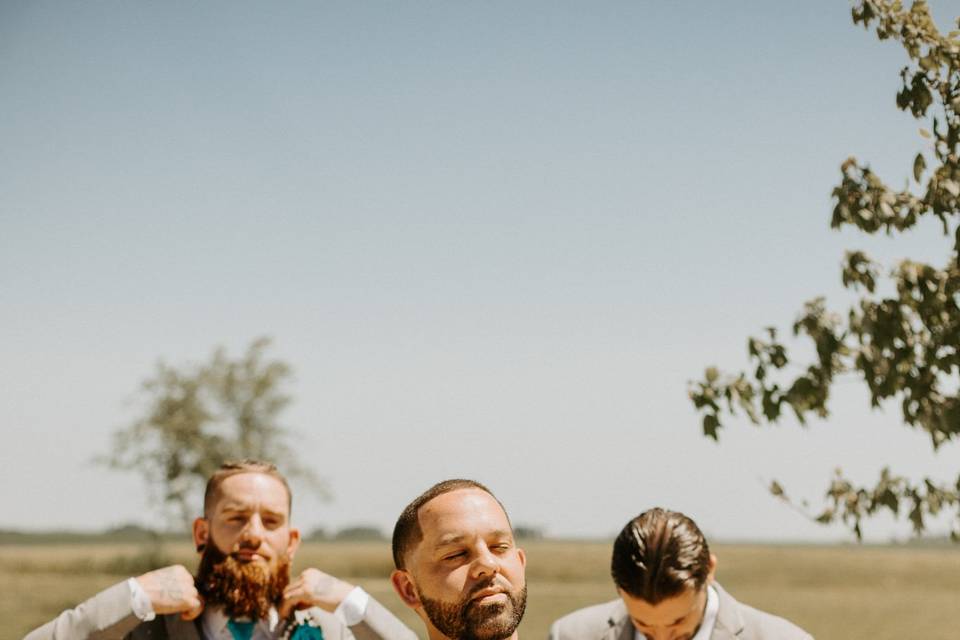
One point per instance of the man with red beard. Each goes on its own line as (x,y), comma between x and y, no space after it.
(242,590)
(457,565)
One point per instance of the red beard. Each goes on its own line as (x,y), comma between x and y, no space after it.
(242,589)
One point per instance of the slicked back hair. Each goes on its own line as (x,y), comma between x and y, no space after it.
(407,532)
(232,468)
(659,555)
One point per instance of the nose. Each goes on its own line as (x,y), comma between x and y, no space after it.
(252,532)
(485,564)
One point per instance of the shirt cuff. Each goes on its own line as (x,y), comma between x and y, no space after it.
(140,601)
(353,608)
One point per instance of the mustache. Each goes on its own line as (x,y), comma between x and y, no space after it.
(495,583)
(244,546)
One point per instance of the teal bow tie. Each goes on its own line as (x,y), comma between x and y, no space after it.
(241,630)
(307,633)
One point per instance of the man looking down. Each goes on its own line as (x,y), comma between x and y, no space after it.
(664,574)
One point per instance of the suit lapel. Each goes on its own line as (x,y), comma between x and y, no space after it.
(729,623)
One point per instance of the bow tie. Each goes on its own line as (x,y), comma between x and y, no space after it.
(241,630)
(244,631)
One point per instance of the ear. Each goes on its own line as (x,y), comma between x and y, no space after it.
(713,568)
(403,584)
(201,533)
(294,543)
(523,557)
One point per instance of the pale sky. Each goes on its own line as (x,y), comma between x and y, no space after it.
(493,240)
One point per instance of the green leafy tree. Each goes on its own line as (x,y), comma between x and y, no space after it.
(902,335)
(196,417)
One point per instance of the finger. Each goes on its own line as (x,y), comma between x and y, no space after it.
(286,607)
(294,588)
(196,608)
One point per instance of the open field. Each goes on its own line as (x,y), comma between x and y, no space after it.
(834,592)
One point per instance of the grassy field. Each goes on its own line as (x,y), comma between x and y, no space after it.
(834,592)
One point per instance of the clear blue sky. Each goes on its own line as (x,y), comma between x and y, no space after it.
(493,240)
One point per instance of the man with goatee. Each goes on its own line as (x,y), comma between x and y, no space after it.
(457,565)
(242,590)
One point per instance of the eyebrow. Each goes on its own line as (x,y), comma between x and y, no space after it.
(455,538)
(243,508)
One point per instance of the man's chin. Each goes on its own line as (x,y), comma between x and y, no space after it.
(480,619)
(244,585)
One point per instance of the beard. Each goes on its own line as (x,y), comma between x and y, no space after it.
(242,589)
(469,620)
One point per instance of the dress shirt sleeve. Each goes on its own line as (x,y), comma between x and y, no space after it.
(353,608)
(140,601)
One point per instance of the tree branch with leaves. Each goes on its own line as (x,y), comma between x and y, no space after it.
(904,344)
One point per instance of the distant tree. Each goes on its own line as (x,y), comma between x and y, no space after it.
(528,532)
(317,534)
(197,417)
(902,337)
(360,532)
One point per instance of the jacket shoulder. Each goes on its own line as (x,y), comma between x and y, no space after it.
(760,625)
(590,622)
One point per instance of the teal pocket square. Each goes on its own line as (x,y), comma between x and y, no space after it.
(305,632)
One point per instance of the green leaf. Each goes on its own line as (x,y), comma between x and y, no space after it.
(777,490)
(919,164)
(710,425)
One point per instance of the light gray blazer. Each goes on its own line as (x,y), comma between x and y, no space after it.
(109,616)
(735,621)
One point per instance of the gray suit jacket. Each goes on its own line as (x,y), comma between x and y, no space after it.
(109,616)
(735,621)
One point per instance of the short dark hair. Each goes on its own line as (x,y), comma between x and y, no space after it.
(658,555)
(407,532)
(232,468)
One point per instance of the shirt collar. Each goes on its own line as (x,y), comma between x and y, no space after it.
(709,615)
(214,622)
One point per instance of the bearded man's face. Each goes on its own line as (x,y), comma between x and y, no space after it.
(465,576)
(248,545)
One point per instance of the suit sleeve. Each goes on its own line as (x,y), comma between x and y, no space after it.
(555,631)
(106,616)
(379,624)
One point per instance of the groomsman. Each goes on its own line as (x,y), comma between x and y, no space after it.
(242,590)
(664,574)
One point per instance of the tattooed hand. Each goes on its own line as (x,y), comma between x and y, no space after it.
(171,590)
(314,588)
